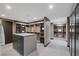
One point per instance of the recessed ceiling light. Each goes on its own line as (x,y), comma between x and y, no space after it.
(34,18)
(59,30)
(50,6)
(2,15)
(8,7)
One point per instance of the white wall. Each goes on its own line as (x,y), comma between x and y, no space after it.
(2,37)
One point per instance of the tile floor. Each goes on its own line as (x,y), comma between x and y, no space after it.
(57,47)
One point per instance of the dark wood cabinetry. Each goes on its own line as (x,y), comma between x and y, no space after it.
(20,28)
(42,33)
(7,25)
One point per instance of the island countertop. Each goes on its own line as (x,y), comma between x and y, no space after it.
(23,34)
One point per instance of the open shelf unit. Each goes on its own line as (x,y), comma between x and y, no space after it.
(60,31)
(20,28)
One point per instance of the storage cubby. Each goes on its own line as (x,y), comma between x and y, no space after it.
(42,32)
(20,28)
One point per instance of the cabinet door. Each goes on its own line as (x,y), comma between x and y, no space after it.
(15,42)
(18,28)
(18,44)
(21,45)
(7,25)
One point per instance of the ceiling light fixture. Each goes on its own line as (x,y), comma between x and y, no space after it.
(50,6)
(34,18)
(8,7)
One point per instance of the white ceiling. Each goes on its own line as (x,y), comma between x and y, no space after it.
(26,12)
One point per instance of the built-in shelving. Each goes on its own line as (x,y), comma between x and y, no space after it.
(42,32)
(40,28)
(20,28)
(60,31)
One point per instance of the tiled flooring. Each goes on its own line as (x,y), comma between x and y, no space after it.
(0,50)
(9,51)
(57,47)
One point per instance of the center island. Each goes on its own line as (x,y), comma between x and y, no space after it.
(24,43)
